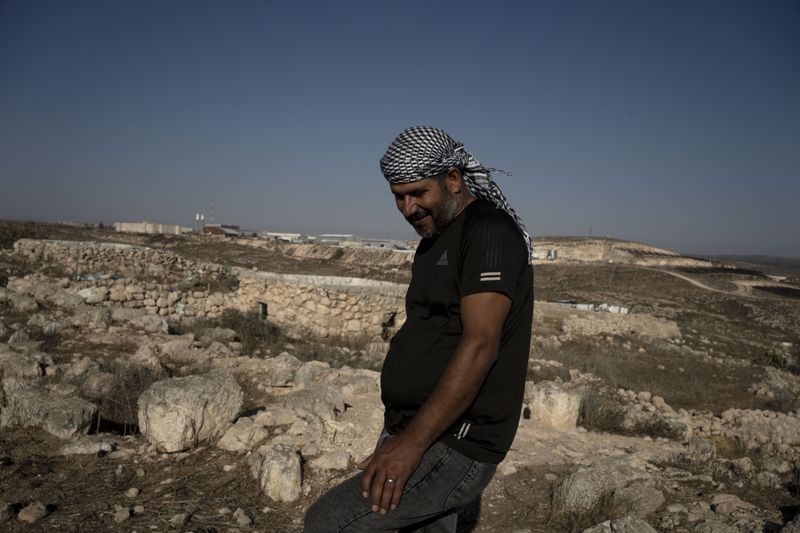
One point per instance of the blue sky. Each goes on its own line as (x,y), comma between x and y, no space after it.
(672,123)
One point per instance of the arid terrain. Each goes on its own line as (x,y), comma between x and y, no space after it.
(188,383)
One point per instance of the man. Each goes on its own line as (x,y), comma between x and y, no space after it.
(453,379)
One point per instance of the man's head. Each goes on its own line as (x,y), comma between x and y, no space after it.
(422,167)
(430,204)
(421,155)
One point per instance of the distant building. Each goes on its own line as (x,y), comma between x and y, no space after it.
(150,227)
(335,238)
(283,237)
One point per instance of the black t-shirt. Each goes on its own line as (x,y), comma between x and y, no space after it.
(482,250)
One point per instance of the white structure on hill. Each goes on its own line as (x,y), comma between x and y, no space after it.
(150,227)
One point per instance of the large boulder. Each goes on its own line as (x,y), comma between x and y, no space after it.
(323,401)
(177,414)
(552,406)
(91,317)
(276,468)
(151,323)
(65,298)
(281,370)
(60,416)
(14,364)
(23,303)
(582,490)
(93,295)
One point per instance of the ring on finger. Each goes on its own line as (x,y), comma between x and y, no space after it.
(390,480)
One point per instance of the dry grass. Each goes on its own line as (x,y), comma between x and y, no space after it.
(570,521)
(683,380)
(601,412)
(727,447)
(117,411)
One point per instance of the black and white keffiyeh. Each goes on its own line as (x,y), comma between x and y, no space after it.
(423,151)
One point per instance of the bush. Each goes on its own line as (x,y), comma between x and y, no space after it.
(599,412)
(253,332)
(602,509)
(10,232)
(118,412)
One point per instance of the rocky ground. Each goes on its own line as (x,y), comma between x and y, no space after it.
(681,416)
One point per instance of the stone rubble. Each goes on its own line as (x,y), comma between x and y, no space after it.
(322,420)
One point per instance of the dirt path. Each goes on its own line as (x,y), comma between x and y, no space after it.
(687,278)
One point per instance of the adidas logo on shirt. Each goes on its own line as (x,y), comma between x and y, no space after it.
(490,276)
(442,260)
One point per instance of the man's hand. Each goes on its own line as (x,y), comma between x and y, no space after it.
(387,470)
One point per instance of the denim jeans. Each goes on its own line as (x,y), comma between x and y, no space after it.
(444,482)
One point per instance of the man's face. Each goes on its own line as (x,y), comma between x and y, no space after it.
(426,204)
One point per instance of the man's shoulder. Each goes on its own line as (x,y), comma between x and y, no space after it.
(484,216)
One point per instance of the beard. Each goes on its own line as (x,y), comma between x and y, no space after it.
(441,216)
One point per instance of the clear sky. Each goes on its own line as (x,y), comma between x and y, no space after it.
(675,123)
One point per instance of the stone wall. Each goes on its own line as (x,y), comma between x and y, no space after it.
(325,305)
(122,275)
(87,257)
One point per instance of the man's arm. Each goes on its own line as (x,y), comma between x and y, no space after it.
(482,318)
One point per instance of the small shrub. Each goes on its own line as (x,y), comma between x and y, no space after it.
(599,412)
(602,509)
(254,333)
(656,427)
(118,412)
(10,232)
(727,447)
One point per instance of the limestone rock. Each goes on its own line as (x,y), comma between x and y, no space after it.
(323,401)
(310,374)
(217,335)
(715,526)
(91,317)
(151,323)
(32,513)
(86,445)
(580,491)
(725,504)
(146,356)
(19,337)
(335,460)
(180,519)
(62,417)
(176,414)
(98,385)
(22,303)
(93,295)
(639,498)
(627,524)
(121,514)
(241,517)
(15,364)
(65,298)
(244,435)
(277,470)
(126,314)
(281,370)
(551,405)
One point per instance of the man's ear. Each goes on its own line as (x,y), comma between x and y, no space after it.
(454,181)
